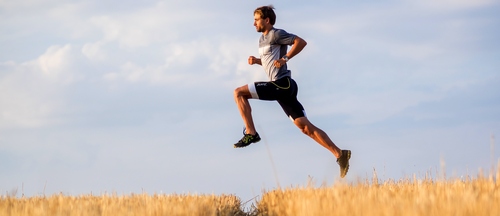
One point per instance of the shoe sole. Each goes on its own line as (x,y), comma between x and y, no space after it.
(347,167)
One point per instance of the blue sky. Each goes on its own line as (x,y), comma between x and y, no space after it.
(99,97)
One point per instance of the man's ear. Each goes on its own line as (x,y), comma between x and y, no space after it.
(268,21)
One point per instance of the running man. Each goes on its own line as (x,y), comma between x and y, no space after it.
(281,87)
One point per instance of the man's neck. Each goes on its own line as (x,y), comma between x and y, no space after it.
(267,30)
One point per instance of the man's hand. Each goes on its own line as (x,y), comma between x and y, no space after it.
(298,45)
(252,60)
(280,62)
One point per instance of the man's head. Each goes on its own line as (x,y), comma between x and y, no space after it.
(264,18)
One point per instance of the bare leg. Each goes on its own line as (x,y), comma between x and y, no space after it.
(317,134)
(241,96)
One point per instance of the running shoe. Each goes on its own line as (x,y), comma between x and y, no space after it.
(343,162)
(247,140)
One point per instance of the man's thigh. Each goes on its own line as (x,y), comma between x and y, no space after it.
(268,91)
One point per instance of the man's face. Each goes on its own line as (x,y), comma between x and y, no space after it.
(259,23)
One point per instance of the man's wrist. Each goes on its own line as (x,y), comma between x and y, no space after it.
(285,57)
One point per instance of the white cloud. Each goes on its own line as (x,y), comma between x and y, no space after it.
(133,72)
(27,100)
(185,53)
(56,61)
(194,63)
(32,90)
(158,23)
(95,51)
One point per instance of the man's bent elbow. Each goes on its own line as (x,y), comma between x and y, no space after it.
(300,42)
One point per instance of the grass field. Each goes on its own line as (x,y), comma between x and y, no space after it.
(141,204)
(405,197)
(470,196)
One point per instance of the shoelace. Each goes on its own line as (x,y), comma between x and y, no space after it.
(247,138)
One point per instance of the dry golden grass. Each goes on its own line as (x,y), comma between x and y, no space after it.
(472,196)
(141,204)
(479,196)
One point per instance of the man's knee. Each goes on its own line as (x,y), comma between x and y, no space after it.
(305,128)
(241,91)
(236,92)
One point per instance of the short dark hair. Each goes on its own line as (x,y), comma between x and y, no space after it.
(266,12)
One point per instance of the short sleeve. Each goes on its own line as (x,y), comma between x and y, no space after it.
(284,38)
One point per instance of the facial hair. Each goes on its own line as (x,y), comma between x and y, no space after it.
(259,29)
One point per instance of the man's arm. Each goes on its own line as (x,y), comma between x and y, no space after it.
(253,60)
(298,45)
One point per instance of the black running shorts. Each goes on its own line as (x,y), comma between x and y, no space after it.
(284,91)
